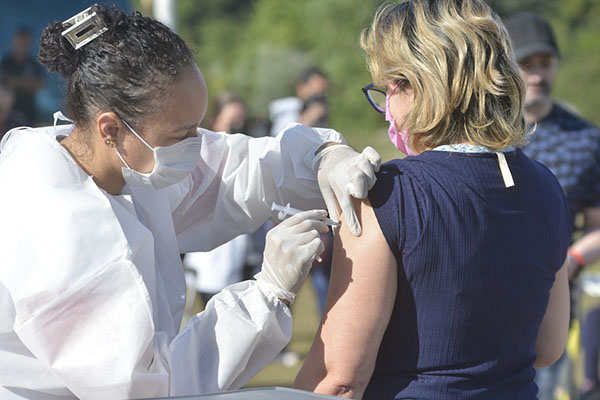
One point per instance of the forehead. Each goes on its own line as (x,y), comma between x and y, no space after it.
(316,79)
(184,102)
(234,106)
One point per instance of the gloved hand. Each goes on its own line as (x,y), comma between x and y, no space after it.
(290,250)
(342,173)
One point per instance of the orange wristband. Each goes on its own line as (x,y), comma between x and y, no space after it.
(578,257)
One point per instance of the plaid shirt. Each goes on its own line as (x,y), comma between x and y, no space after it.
(570,148)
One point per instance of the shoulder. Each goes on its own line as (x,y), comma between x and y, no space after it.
(543,174)
(35,154)
(400,200)
(413,173)
(54,215)
(568,121)
(389,180)
(542,185)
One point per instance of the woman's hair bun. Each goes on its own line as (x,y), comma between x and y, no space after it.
(56,53)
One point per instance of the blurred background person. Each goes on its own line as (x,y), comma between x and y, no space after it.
(229,114)
(314,112)
(570,147)
(9,117)
(22,74)
(312,83)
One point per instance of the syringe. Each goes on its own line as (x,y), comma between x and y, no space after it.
(287,210)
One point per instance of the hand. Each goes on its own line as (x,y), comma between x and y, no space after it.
(344,173)
(290,250)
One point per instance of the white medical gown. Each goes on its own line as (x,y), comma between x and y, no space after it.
(91,285)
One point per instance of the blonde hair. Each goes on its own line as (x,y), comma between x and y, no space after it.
(457,56)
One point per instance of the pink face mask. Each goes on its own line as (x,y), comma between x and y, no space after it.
(399,139)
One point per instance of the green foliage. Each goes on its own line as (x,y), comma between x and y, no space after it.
(259,48)
(577,24)
(507,7)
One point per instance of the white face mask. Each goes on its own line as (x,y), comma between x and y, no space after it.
(172,163)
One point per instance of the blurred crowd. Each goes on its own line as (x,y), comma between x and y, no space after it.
(21,78)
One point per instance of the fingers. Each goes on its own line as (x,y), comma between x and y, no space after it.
(332,203)
(364,178)
(306,238)
(373,156)
(304,215)
(315,247)
(310,225)
(359,184)
(369,173)
(345,203)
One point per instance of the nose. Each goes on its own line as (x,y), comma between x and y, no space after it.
(533,76)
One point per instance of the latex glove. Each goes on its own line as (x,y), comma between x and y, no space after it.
(343,173)
(290,250)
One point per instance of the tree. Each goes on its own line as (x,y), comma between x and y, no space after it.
(258,48)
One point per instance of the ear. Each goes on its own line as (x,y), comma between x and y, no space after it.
(109,125)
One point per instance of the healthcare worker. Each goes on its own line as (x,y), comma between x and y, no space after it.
(95,214)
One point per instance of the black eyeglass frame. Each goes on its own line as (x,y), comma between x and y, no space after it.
(366,90)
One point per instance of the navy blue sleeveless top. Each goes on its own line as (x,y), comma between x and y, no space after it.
(476,261)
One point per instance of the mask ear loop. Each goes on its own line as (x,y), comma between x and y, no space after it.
(136,134)
(112,144)
(121,157)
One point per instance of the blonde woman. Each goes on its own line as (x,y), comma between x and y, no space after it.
(456,289)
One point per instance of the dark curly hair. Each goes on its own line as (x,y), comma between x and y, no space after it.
(124,70)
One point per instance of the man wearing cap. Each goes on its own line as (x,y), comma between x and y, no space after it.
(567,145)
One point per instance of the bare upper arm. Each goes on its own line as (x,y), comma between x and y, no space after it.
(554,329)
(360,300)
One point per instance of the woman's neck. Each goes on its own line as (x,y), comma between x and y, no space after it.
(94,163)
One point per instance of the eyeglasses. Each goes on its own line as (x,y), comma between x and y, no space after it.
(376,97)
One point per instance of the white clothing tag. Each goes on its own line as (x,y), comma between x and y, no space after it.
(506,175)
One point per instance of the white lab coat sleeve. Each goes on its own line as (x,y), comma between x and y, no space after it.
(99,339)
(237,180)
(242,330)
